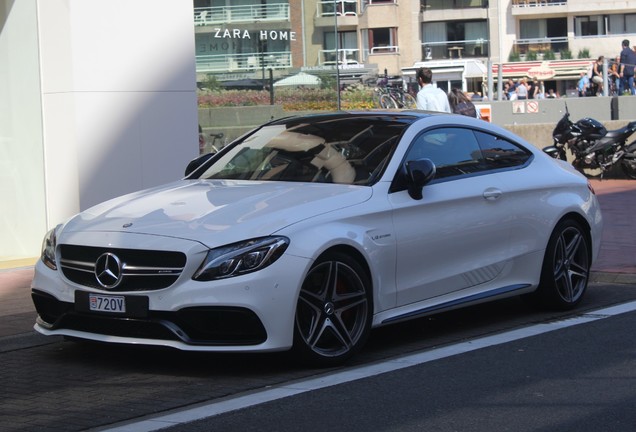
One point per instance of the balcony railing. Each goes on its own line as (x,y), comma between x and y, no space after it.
(541,45)
(251,62)
(452,4)
(237,14)
(385,49)
(455,49)
(346,56)
(326,8)
(537,3)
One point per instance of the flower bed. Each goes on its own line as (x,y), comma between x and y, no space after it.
(299,99)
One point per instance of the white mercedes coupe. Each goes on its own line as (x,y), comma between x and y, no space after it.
(307,232)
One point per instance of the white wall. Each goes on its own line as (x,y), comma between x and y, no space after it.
(22,199)
(118,101)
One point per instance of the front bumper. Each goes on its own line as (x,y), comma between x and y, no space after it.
(249,313)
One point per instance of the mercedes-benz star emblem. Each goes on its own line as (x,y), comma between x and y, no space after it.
(108,270)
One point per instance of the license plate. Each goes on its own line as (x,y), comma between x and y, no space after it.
(103,303)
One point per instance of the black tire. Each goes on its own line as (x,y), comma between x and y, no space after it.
(629,168)
(566,267)
(334,311)
(628,164)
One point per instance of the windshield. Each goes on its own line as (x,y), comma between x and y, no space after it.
(346,150)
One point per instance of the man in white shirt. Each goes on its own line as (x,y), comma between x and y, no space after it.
(430,98)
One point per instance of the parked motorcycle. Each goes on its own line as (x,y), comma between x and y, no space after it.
(592,147)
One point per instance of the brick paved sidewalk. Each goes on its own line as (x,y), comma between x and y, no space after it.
(616,263)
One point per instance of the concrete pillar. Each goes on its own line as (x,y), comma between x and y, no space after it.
(117,109)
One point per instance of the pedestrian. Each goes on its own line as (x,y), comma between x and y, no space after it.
(597,75)
(583,84)
(614,77)
(512,90)
(552,94)
(429,97)
(522,89)
(540,90)
(460,104)
(532,88)
(628,60)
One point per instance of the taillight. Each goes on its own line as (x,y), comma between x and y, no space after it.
(589,186)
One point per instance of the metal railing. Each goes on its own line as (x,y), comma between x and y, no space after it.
(236,14)
(541,45)
(345,57)
(538,3)
(469,48)
(243,62)
(454,4)
(326,8)
(385,49)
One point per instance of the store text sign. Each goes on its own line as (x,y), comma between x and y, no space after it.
(262,35)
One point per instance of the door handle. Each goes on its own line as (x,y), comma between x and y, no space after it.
(492,194)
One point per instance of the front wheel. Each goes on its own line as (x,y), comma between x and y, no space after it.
(409,101)
(387,102)
(334,311)
(566,267)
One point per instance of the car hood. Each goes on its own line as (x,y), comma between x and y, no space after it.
(216,212)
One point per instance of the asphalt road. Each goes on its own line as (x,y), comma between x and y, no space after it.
(53,385)
(576,379)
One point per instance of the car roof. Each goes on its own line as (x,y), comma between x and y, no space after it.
(406,117)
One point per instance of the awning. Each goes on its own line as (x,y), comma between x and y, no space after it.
(543,70)
(450,70)
(301,79)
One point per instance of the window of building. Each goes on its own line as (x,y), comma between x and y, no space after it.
(542,35)
(348,51)
(622,23)
(589,25)
(382,40)
(455,39)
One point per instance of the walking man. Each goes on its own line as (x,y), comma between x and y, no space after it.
(430,98)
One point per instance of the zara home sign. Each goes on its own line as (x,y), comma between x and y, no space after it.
(263,35)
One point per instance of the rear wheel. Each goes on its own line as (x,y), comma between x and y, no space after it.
(566,267)
(333,315)
(629,168)
(629,161)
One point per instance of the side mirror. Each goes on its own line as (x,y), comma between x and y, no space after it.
(419,172)
(194,164)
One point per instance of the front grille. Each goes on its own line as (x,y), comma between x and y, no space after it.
(142,270)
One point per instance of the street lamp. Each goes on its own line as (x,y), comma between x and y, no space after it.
(335,36)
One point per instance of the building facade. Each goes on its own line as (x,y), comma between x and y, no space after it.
(240,39)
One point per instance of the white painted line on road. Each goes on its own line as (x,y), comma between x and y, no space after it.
(236,402)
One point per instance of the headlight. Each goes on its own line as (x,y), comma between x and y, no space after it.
(48,248)
(241,258)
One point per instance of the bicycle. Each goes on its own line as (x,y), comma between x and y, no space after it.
(211,146)
(392,97)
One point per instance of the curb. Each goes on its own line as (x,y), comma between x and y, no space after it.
(617,278)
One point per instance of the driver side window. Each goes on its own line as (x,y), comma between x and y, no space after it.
(454,151)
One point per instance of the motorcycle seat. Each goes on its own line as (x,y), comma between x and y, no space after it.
(626,130)
(623,132)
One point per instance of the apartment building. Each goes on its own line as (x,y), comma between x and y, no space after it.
(458,39)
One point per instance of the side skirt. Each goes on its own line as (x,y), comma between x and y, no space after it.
(455,304)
